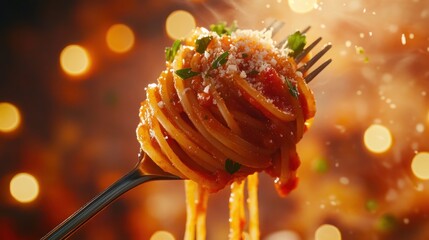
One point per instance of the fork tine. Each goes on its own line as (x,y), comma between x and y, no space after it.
(304,68)
(275,27)
(305,30)
(319,69)
(307,50)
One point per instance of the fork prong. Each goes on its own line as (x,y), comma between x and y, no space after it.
(275,27)
(304,68)
(307,50)
(305,30)
(319,69)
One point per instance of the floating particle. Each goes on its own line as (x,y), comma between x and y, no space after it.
(348,43)
(327,232)
(403,39)
(179,24)
(302,6)
(24,187)
(420,127)
(344,180)
(282,235)
(74,60)
(377,138)
(10,117)
(162,235)
(393,28)
(120,38)
(420,165)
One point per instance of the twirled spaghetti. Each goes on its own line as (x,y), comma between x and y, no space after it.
(226,107)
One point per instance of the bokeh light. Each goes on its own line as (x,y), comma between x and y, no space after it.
(420,165)
(179,24)
(377,138)
(327,232)
(24,187)
(302,6)
(283,235)
(120,38)
(162,235)
(10,117)
(74,60)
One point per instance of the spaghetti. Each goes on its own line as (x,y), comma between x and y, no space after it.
(227,106)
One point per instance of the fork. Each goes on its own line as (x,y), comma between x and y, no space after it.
(136,176)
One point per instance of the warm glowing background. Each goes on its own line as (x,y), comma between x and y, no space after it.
(73,75)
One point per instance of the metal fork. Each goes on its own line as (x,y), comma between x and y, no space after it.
(275,26)
(136,176)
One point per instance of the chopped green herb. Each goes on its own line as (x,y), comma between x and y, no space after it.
(221,60)
(232,167)
(170,52)
(202,43)
(186,73)
(244,55)
(359,50)
(221,28)
(296,42)
(386,222)
(320,165)
(371,205)
(292,89)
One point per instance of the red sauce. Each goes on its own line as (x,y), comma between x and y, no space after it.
(284,188)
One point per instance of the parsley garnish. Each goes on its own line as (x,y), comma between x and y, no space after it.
(170,52)
(244,55)
(296,43)
(232,167)
(292,89)
(202,43)
(221,60)
(221,28)
(186,73)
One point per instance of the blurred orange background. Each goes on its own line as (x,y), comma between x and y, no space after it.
(73,75)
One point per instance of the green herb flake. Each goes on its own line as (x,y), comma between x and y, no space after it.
(320,165)
(293,90)
(202,43)
(170,52)
(371,205)
(296,42)
(221,60)
(244,55)
(186,73)
(221,28)
(386,223)
(232,167)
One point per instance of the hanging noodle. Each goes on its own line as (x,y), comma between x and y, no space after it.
(226,107)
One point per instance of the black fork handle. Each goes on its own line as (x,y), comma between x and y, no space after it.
(89,210)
